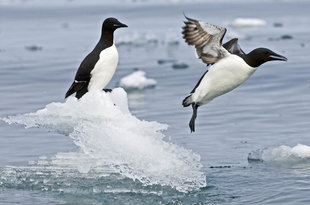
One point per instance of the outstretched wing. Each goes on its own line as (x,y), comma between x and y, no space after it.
(206,38)
(233,47)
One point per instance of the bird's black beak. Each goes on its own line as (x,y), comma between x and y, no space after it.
(276,57)
(119,25)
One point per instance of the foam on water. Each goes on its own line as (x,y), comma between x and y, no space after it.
(113,141)
(137,81)
(282,155)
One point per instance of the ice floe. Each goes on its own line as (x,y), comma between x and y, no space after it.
(137,81)
(111,142)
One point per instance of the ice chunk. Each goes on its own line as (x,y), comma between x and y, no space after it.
(33,48)
(136,39)
(180,66)
(172,38)
(137,81)
(248,22)
(111,141)
(282,154)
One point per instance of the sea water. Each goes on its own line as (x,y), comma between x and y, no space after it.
(134,146)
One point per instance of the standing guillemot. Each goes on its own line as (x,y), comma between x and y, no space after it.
(230,65)
(98,67)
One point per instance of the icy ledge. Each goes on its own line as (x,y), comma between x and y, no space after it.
(114,141)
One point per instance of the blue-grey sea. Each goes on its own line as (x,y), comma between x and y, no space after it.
(251,146)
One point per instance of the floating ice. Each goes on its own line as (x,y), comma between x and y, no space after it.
(282,155)
(164,61)
(136,81)
(111,142)
(128,39)
(33,48)
(286,37)
(137,39)
(277,24)
(172,38)
(248,22)
(140,39)
(180,66)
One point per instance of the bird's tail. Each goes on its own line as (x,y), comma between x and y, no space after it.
(75,87)
(70,91)
(187,101)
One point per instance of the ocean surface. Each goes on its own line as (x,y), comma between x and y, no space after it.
(134,146)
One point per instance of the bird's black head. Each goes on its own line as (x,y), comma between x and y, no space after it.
(112,24)
(262,55)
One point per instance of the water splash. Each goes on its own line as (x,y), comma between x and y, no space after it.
(113,141)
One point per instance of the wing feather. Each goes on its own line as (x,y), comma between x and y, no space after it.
(206,38)
(233,47)
(83,75)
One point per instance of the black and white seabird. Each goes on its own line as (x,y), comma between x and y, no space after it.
(230,66)
(98,67)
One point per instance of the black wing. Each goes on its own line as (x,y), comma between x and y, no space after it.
(83,75)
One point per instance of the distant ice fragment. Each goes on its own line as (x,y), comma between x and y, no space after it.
(282,155)
(147,38)
(151,38)
(180,66)
(164,61)
(255,156)
(137,81)
(137,39)
(286,37)
(277,24)
(129,39)
(283,37)
(248,22)
(172,38)
(33,48)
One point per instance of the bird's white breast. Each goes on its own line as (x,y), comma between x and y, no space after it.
(104,68)
(222,77)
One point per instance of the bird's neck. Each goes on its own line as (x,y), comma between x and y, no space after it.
(252,60)
(106,38)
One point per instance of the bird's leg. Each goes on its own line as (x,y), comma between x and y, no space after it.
(107,90)
(192,121)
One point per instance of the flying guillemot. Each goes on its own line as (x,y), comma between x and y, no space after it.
(98,67)
(230,66)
